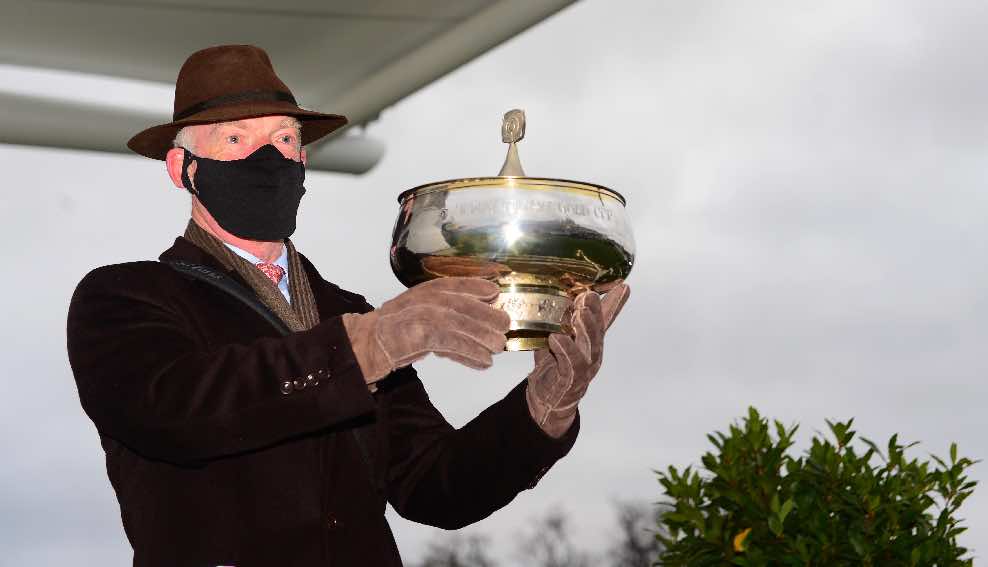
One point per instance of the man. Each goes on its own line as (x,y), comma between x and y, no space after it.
(229,443)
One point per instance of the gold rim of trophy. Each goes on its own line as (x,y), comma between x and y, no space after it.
(514,183)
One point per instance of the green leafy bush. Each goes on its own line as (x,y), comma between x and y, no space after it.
(836,505)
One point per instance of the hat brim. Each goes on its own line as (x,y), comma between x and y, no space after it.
(157,140)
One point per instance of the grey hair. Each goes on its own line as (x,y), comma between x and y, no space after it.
(183,139)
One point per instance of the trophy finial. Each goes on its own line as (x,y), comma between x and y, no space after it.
(512,131)
(513,126)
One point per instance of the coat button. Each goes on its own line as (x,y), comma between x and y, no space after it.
(286,387)
(333,524)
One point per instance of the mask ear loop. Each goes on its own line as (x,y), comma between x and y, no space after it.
(187,161)
(301,162)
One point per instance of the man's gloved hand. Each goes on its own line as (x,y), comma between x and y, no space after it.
(564,370)
(451,317)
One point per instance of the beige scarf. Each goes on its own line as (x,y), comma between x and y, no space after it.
(300,315)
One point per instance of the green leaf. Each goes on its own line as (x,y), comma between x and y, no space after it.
(787,507)
(858,544)
(753,414)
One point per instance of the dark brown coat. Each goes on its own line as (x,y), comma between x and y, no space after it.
(213,465)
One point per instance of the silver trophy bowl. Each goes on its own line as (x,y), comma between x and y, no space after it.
(543,241)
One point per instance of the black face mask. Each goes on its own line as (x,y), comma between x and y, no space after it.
(254,198)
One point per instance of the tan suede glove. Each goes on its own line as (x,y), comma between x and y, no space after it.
(564,370)
(450,317)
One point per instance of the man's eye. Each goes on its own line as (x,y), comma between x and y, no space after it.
(233,139)
(288,139)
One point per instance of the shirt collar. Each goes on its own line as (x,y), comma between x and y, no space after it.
(254,260)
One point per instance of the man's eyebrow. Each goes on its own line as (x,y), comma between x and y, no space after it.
(237,124)
(291,123)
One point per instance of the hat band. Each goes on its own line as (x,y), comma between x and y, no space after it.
(246,96)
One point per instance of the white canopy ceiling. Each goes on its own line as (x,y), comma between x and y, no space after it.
(351,57)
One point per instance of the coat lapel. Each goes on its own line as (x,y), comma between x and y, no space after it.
(185,251)
(330,299)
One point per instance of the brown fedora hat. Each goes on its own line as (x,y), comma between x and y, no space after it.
(226,83)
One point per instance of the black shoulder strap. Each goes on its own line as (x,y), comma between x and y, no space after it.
(229,285)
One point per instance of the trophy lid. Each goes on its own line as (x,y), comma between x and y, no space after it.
(512,174)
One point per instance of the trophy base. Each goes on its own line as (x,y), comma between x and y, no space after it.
(526,340)
(536,312)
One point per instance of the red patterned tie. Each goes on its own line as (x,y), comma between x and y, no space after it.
(274,272)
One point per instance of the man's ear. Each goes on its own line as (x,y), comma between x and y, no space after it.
(173,162)
(304,155)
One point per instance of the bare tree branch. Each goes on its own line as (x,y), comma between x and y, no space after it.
(636,545)
(455,550)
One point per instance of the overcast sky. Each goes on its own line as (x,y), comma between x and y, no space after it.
(806,184)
